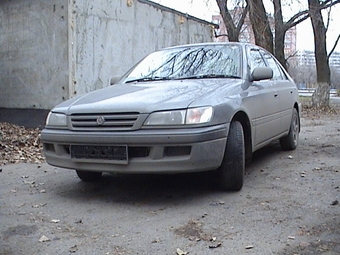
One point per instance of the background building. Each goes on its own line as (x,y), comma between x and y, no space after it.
(302,68)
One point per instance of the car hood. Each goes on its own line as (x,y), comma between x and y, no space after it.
(145,97)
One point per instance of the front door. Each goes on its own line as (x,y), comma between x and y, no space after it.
(263,97)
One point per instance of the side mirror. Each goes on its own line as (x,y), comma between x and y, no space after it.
(261,73)
(114,79)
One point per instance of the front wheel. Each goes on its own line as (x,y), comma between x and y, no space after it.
(88,176)
(290,141)
(232,169)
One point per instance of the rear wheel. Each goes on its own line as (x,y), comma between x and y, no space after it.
(232,169)
(88,176)
(290,141)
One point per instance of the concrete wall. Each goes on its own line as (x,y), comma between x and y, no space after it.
(111,37)
(53,50)
(33,53)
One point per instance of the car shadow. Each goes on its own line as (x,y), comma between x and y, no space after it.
(140,188)
(156,188)
(266,153)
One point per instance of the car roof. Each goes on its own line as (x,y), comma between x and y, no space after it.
(242,44)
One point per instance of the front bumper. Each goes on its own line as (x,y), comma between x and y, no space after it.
(149,151)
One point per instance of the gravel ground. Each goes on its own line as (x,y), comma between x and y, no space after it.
(288,205)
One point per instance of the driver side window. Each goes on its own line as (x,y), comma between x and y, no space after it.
(277,73)
(255,59)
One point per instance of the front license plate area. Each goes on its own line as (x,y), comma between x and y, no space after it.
(111,153)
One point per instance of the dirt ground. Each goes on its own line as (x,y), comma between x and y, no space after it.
(288,205)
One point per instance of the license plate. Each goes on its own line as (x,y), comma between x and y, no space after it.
(114,153)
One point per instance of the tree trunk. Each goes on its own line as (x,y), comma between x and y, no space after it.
(260,25)
(233,29)
(321,95)
(280,32)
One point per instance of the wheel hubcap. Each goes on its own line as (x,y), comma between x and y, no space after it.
(296,129)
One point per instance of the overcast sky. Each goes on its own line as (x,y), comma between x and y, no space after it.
(305,39)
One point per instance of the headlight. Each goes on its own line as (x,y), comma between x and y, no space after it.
(166,118)
(56,120)
(180,117)
(199,115)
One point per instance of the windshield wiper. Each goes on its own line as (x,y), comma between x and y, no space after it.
(149,79)
(205,76)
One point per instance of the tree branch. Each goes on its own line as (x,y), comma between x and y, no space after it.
(243,17)
(297,18)
(328,3)
(303,15)
(334,46)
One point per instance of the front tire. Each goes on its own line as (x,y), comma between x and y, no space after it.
(232,169)
(290,141)
(88,176)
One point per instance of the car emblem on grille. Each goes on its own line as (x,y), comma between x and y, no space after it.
(100,120)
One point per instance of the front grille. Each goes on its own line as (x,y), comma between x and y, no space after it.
(101,122)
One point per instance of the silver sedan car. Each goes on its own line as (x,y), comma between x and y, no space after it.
(182,109)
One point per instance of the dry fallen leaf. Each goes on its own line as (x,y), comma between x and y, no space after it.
(44,239)
(180,252)
(304,244)
(214,246)
(20,145)
(156,240)
(74,249)
(335,202)
(29,182)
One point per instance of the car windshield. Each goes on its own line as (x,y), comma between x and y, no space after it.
(191,62)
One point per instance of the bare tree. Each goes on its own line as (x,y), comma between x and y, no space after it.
(280,31)
(282,27)
(321,95)
(275,44)
(260,24)
(233,24)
